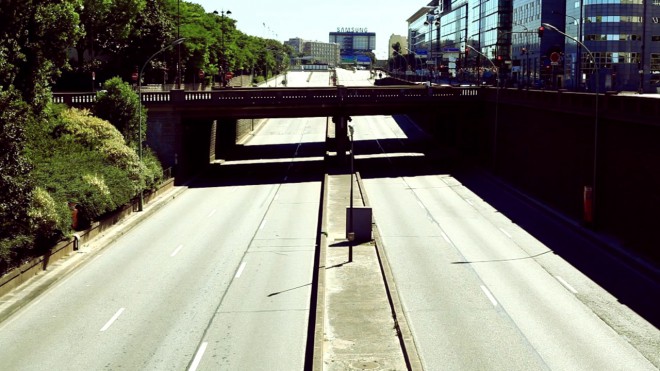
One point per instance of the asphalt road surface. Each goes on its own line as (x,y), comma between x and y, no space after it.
(478,291)
(220,278)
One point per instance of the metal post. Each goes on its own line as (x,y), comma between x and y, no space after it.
(178,36)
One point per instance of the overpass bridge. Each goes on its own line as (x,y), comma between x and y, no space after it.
(251,103)
(180,120)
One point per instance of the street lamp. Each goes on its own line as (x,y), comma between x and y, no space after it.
(497,104)
(578,56)
(593,180)
(178,36)
(223,65)
(431,20)
(527,69)
(173,44)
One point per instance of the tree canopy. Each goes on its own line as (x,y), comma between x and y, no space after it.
(118,36)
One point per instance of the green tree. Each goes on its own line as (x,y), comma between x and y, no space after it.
(119,104)
(34,38)
(15,179)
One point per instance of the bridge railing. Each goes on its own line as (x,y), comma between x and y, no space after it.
(283,96)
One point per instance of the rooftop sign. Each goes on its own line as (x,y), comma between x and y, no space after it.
(352,29)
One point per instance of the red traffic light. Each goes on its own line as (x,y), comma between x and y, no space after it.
(540,31)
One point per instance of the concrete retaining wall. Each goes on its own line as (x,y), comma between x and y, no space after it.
(545,148)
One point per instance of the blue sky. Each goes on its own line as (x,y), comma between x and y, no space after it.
(313,20)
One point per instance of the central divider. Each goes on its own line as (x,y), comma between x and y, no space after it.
(353,320)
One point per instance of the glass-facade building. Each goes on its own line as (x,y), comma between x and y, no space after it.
(623,37)
(619,41)
(354,46)
(423,36)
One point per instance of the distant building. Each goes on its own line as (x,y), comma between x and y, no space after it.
(355,44)
(325,53)
(297,44)
(402,40)
(313,52)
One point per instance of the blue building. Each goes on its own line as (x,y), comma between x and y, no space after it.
(355,45)
(619,41)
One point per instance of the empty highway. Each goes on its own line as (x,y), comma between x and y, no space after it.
(220,278)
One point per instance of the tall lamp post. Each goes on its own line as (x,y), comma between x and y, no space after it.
(497,104)
(578,57)
(593,180)
(173,44)
(431,20)
(178,36)
(223,65)
(526,50)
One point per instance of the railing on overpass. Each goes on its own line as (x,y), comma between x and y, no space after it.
(268,102)
(273,96)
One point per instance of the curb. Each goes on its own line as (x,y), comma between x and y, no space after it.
(314,360)
(413,362)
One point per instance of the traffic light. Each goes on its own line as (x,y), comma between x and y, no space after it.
(523,51)
(467,52)
(540,31)
(498,61)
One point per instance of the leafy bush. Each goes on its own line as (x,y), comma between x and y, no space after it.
(120,105)
(49,218)
(72,158)
(86,162)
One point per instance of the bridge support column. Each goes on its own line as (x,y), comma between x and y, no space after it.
(164,137)
(342,144)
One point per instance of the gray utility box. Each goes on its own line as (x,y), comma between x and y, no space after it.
(361,223)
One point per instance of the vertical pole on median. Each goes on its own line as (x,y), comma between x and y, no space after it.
(351,232)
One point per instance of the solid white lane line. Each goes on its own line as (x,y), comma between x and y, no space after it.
(468,201)
(198,356)
(211,213)
(262,225)
(489,295)
(505,233)
(177,250)
(240,270)
(113,319)
(569,287)
(446,238)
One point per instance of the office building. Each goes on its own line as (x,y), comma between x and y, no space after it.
(356,45)
(322,53)
(619,42)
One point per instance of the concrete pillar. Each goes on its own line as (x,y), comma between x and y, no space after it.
(341,136)
(164,136)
